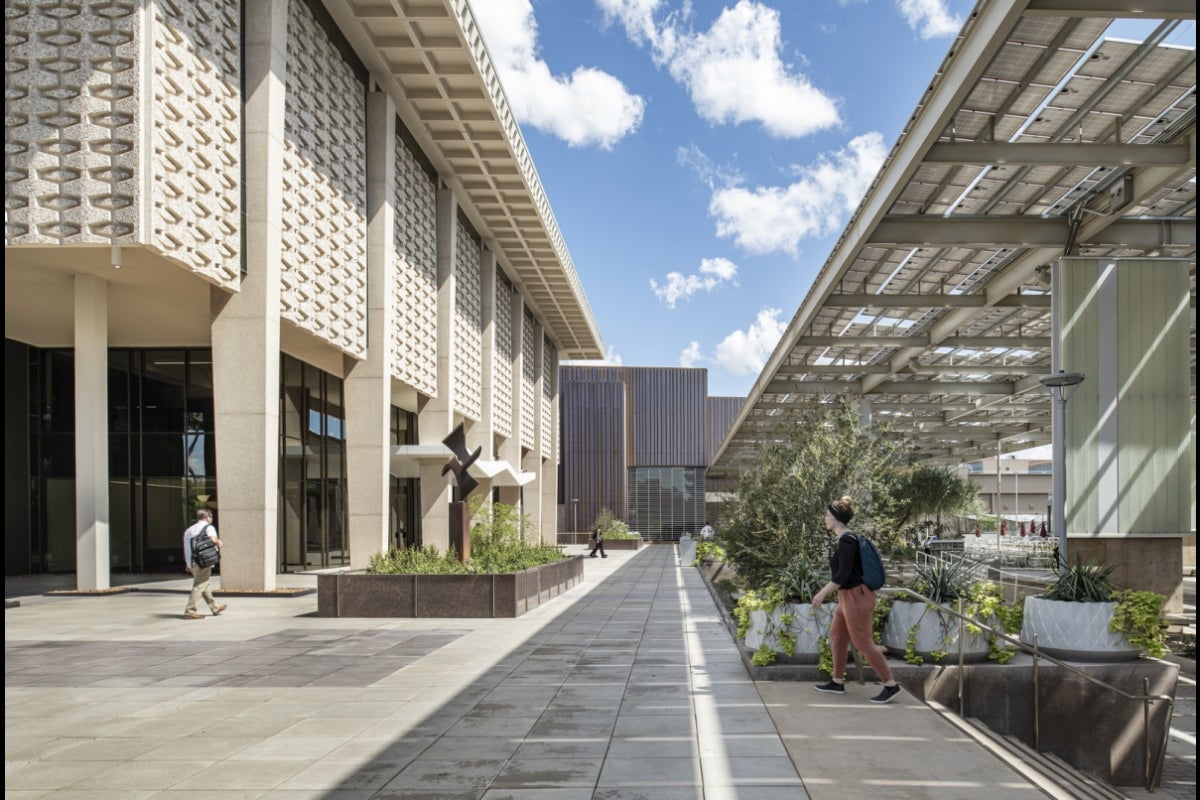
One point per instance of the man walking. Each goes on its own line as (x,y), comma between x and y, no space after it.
(200,575)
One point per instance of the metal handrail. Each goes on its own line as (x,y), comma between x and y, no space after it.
(1153,773)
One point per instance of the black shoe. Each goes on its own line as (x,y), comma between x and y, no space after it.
(604,556)
(887,695)
(832,687)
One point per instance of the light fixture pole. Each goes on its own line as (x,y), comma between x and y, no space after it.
(575,508)
(1061,386)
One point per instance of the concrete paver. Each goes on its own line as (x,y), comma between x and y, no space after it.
(626,687)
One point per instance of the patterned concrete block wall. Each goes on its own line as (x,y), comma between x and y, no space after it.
(502,377)
(72,101)
(468,326)
(324,274)
(547,416)
(413,339)
(529,373)
(195,136)
(74,77)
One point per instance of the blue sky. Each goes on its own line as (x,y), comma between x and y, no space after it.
(702,158)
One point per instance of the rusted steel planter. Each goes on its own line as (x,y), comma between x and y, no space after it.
(352,594)
(609,544)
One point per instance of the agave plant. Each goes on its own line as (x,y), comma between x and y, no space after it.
(943,580)
(1083,582)
(800,579)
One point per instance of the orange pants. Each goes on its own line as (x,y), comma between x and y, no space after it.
(852,623)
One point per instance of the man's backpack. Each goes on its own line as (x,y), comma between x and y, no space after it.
(205,552)
(874,575)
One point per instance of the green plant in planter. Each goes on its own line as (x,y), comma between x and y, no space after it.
(883,607)
(1083,582)
(1139,615)
(707,552)
(986,603)
(944,582)
(1136,614)
(800,580)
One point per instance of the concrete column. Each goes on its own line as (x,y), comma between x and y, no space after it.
(510,448)
(533,459)
(91,433)
(550,465)
(245,327)
(435,419)
(368,382)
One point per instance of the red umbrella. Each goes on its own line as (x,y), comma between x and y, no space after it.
(977,531)
(1003,527)
(1043,529)
(1022,529)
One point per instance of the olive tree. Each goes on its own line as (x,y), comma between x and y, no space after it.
(821,452)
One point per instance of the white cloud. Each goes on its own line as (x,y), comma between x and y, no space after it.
(775,218)
(691,356)
(588,107)
(734,72)
(636,16)
(930,18)
(746,352)
(713,272)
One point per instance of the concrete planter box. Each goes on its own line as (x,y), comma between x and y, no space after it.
(508,595)
(935,632)
(1074,631)
(808,625)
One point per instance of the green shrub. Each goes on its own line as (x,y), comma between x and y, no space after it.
(427,560)
(800,580)
(502,541)
(1083,582)
(943,581)
(707,552)
(1139,615)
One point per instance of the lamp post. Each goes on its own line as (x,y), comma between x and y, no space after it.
(1061,386)
(575,508)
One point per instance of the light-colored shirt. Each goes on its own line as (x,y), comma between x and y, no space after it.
(192,532)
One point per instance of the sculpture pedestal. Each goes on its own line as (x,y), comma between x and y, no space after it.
(460,530)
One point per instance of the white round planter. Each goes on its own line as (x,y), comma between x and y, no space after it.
(935,632)
(1074,631)
(808,625)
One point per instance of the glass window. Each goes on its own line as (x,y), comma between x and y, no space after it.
(163,402)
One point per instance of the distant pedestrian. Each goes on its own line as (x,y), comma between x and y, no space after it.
(200,575)
(597,543)
(855,607)
(706,533)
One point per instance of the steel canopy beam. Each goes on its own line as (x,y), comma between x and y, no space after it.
(934,301)
(1066,154)
(1111,9)
(1023,231)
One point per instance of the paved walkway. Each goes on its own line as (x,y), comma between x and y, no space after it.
(626,687)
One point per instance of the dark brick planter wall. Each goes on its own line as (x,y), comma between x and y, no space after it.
(508,595)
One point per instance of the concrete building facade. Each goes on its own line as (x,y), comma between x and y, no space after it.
(263,256)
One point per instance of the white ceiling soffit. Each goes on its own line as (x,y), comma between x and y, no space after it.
(429,56)
(934,303)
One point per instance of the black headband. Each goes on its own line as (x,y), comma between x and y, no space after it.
(842,515)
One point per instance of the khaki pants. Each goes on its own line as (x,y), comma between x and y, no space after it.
(200,588)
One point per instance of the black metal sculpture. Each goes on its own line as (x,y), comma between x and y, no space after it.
(460,512)
(457,442)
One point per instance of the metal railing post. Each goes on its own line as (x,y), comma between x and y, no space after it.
(962,635)
(1036,731)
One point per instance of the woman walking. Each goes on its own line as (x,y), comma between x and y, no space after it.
(855,606)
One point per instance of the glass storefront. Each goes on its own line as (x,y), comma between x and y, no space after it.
(162,461)
(312,457)
(404,515)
